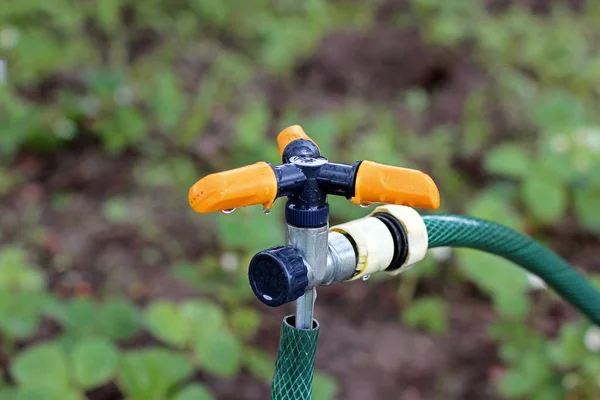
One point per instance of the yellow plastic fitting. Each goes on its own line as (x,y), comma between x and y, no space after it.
(245,186)
(290,134)
(378,183)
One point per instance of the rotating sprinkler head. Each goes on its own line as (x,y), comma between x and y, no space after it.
(313,255)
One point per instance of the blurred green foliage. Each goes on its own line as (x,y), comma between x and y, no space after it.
(157,78)
(429,313)
(194,334)
(21,295)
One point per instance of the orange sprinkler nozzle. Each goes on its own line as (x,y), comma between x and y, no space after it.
(250,185)
(290,134)
(378,183)
(307,178)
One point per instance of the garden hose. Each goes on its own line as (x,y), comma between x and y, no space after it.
(295,362)
(460,231)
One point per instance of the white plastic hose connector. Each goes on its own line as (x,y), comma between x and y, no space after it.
(416,233)
(373,242)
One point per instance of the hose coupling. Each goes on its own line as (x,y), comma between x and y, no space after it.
(390,239)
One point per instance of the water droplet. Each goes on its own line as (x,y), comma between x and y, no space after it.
(266,211)
(364,204)
(228,211)
(366,277)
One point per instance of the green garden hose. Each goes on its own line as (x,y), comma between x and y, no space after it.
(295,362)
(459,231)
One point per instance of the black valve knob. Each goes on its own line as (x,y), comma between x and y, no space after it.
(278,276)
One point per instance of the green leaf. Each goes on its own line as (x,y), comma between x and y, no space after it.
(430,313)
(381,149)
(514,384)
(37,51)
(120,319)
(417,100)
(8,179)
(569,349)
(587,208)
(476,124)
(150,374)
(80,317)
(168,101)
(94,362)
(550,391)
(193,276)
(535,367)
(8,394)
(517,337)
(248,228)
(251,126)
(16,273)
(164,321)
(506,283)
(259,363)
(495,204)
(55,308)
(286,41)
(245,321)
(20,313)
(591,365)
(325,387)
(511,306)
(554,167)
(42,365)
(545,198)
(108,14)
(559,111)
(116,210)
(104,81)
(171,173)
(124,128)
(203,318)
(46,393)
(323,130)
(219,354)
(509,160)
(194,391)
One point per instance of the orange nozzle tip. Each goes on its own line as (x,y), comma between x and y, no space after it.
(434,194)
(250,185)
(378,183)
(196,194)
(290,134)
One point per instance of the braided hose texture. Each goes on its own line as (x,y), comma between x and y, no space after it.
(295,362)
(459,231)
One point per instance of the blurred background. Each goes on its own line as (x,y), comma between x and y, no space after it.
(112,288)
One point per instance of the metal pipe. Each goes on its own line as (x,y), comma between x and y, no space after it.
(311,244)
(341,260)
(305,309)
